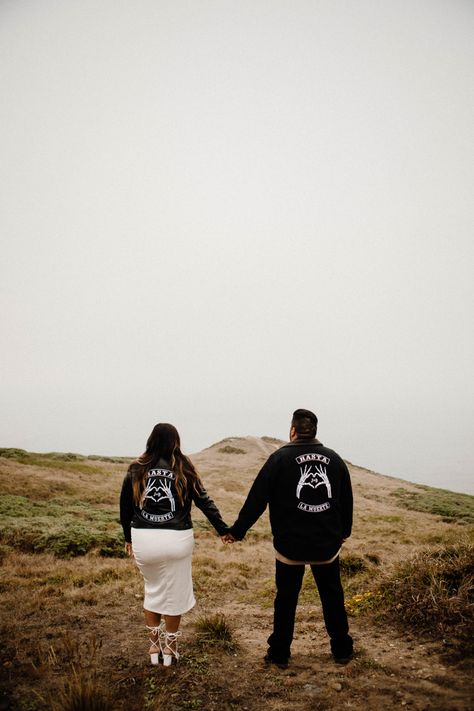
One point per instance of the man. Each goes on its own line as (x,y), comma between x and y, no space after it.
(308,489)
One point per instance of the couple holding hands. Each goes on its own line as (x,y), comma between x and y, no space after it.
(308,490)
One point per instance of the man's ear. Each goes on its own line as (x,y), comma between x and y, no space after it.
(292,432)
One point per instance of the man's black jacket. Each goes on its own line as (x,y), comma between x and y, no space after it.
(308,489)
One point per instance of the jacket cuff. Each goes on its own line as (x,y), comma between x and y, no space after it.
(237,532)
(222,529)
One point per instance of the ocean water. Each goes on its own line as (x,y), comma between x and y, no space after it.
(453,477)
(461,483)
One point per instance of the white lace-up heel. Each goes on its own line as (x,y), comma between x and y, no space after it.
(169,647)
(159,634)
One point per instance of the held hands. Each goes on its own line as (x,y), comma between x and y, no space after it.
(228,538)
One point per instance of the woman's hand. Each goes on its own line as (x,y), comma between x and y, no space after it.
(228,538)
(128,549)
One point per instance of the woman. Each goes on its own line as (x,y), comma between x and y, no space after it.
(155,513)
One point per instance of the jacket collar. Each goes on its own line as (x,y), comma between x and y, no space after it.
(163,463)
(298,442)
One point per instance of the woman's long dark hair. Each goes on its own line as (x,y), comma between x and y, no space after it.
(164,443)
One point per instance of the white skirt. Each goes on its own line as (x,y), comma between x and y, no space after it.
(164,558)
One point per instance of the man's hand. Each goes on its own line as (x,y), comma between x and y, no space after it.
(228,538)
(128,549)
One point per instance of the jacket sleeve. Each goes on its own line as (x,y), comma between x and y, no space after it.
(204,502)
(256,502)
(346,502)
(126,507)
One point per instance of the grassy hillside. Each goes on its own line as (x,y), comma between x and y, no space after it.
(71,615)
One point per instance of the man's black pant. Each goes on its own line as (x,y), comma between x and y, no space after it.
(288,584)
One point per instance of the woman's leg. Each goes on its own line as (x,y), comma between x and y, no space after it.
(171,639)
(172,622)
(152,621)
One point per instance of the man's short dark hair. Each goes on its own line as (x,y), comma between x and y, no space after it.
(305,423)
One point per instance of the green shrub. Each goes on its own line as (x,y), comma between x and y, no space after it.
(13,453)
(433,592)
(51,460)
(66,529)
(110,460)
(228,449)
(351,564)
(373,558)
(214,631)
(448,504)
(357,604)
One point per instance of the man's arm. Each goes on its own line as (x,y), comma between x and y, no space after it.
(256,501)
(346,502)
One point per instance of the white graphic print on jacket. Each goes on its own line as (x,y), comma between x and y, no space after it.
(157,489)
(313,474)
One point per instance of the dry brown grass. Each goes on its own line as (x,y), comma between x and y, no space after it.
(433,593)
(82,693)
(73,630)
(215,632)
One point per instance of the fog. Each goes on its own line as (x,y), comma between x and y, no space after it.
(217,212)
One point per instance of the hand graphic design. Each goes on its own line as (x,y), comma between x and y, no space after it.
(157,493)
(313,478)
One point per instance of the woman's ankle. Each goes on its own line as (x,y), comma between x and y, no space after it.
(169,645)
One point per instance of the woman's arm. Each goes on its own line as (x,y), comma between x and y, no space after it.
(204,502)
(126,507)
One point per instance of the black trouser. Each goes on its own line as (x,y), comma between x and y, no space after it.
(288,584)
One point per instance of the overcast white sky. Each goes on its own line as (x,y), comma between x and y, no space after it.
(215,212)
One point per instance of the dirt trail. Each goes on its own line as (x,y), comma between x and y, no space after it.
(388,669)
(266,447)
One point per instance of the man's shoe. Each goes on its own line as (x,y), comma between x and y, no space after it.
(280,663)
(344,660)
